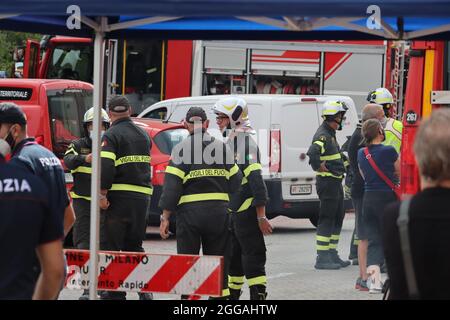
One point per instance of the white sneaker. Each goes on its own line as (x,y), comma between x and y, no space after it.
(374,281)
(374,290)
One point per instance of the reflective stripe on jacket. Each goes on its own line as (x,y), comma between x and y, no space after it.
(253,191)
(126,159)
(192,177)
(325,147)
(393,131)
(75,161)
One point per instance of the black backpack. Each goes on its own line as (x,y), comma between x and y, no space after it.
(411,281)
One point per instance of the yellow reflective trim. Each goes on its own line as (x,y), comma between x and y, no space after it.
(328,174)
(71,150)
(245,205)
(346,163)
(322,248)
(235,286)
(392,140)
(109,155)
(322,146)
(334,237)
(428,76)
(330,112)
(239,279)
(73,195)
(225,292)
(251,168)
(204,197)
(398,126)
(322,238)
(234,170)
(257,280)
(333,246)
(229,108)
(206,173)
(82,169)
(175,171)
(320,143)
(133,159)
(382,100)
(356,242)
(244,181)
(130,187)
(336,156)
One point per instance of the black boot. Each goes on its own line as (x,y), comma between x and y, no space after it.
(336,259)
(235,294)
(324,261)
(258,292)
(113,295)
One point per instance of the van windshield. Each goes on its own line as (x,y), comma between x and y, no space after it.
(66,110)
(168,139)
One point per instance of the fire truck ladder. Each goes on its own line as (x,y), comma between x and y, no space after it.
(398,76)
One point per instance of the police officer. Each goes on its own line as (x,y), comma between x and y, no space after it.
(249,221)
(326,158)
(393,128)
(40,161)
(198,181)
(125,184)
(27,227)
(78,159)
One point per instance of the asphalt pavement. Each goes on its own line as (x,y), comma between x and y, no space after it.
(290,265)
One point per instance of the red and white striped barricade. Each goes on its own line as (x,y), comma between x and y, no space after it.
(145,272)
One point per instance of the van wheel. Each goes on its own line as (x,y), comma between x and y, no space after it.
(314,219)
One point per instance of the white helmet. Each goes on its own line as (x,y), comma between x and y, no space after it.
(333,107)
(89,116)
(380,96)
(236,110)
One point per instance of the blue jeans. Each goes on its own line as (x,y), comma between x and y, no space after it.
(374,203)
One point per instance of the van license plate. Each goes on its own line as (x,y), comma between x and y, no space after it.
(301,189)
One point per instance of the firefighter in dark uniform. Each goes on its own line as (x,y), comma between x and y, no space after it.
(78,159)
(249,222)
(326,158)
(125,184)
(197,187)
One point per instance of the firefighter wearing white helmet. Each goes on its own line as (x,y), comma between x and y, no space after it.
(78,159)
(326,158)
(393,128)
(236,110)
(249,222)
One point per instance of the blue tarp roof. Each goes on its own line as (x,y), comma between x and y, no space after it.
(227,19)
(312,8)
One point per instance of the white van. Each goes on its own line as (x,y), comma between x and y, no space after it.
(285,125)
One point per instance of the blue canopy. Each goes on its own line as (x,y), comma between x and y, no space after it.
(235,19)
(316,8)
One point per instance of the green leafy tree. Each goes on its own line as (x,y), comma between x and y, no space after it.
(10,40)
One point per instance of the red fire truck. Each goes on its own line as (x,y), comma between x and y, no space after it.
(149,71)
(427,88)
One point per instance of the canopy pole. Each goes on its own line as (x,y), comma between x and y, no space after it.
(96,169)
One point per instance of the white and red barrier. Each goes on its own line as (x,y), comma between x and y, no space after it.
(143,272)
